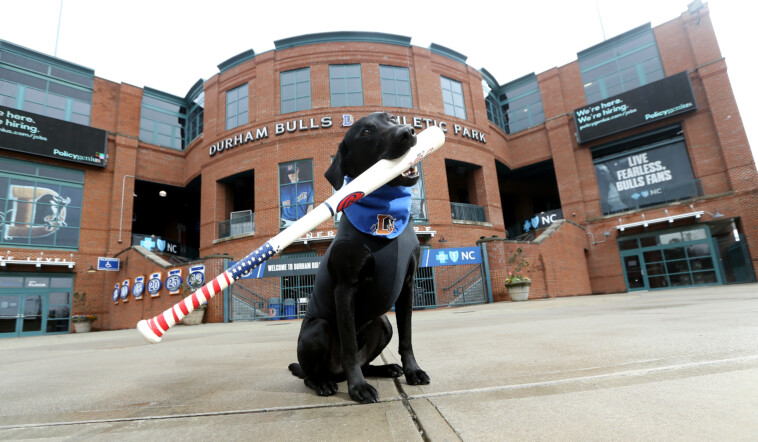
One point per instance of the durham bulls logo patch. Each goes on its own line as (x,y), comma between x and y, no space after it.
(385,225)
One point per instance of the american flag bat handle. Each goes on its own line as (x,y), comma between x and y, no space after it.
(376,176)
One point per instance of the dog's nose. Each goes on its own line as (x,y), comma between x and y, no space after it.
(407,132)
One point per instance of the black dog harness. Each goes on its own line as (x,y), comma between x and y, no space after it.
(377,293)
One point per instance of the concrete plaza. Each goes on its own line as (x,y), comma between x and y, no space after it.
(668,365)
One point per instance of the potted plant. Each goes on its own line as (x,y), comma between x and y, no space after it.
(83,322)
(517,282)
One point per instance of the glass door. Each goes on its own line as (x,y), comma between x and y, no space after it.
(634,272)
(9,315)
(21,315)
(32,315)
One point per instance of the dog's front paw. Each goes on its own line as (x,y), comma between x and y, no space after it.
(382,371)
(322,388)
(394,370)
(416,376)
(363,393)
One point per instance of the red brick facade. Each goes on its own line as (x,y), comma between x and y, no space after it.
(572,261)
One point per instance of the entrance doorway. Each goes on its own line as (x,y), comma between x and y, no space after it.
(35,305)
(21,315)
(635,273)
(670,258)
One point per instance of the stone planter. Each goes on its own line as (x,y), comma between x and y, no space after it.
(195,317)
(82,327)
(519,292)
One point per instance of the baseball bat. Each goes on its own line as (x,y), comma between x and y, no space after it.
(376,176)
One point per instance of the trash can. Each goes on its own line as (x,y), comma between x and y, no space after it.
(290,309)
(274,309)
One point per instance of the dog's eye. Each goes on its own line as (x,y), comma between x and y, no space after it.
(366,132)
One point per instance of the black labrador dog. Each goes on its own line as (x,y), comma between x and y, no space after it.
(369,267)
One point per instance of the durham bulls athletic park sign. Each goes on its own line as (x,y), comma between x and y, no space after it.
(310,124)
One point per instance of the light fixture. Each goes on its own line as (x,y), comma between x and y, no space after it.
(162,193)
(716,214)
(442,239)
(91,269)
(606,234)
(671,220)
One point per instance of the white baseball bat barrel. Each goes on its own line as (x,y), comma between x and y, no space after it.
(375,177)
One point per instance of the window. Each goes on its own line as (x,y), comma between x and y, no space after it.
(345,85)
(515,106)
(676,258)
(452,97)
(493,110)
(295,191)
(620,64)
(40,205)
(418,199)
(37,83)
(521,104)
(195,117)
(396,86)
(236,107)
(162,119)
(296,90)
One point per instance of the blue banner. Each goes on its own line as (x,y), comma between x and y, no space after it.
(450,257)
(310,265)
(257,272)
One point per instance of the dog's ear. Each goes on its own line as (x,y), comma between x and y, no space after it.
(334,174)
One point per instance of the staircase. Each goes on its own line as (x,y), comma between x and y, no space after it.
(247,305)
(471,294)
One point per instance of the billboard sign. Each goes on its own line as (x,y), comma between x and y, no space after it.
(644,178)
(646,104)
(50,137)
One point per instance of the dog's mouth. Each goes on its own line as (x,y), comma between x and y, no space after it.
(411,173)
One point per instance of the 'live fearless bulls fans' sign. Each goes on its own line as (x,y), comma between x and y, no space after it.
(49,137)
(646,104)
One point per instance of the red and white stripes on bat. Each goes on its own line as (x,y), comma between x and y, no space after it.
(161,323)
(376,176)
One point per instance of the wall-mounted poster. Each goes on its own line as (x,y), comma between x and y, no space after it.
(645,177)
(155,284)
(124,292)
(138,289)
(174,281)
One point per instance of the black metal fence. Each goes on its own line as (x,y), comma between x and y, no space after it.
(237,225)
(468,212)
(287,297)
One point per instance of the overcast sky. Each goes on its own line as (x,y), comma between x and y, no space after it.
(169,45)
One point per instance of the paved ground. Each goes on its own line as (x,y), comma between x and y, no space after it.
(672,365)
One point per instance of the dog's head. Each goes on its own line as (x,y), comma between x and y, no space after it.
(372,138)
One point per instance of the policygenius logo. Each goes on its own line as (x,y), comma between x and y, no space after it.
(77,157)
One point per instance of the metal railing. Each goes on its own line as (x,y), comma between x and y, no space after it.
(247,305)
(239,225)
(468,212)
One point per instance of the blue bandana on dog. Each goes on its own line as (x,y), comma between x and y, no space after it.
(384,212)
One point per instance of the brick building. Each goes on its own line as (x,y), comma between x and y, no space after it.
(627,169)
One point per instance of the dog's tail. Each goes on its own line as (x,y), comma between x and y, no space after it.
(297,370)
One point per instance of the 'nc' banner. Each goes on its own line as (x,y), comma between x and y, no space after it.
(450,257)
